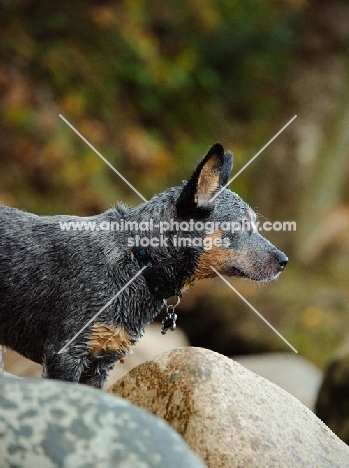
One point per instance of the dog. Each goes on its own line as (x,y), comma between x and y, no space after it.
(76,299)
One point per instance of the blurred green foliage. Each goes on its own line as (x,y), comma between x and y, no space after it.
(151,84)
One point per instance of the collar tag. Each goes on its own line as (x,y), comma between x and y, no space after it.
(169,322)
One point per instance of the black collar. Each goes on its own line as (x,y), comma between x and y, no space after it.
(156,285)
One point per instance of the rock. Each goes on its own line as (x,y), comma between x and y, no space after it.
(18,365)
(46,423)
(291,372)
(7,374)
(149,346)
(230,416)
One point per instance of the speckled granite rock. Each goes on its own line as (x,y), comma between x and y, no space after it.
(53,424)
(230,416)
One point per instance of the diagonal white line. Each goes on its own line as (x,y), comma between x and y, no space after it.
(254,310)
(254,157)
(103,158)
(101,310)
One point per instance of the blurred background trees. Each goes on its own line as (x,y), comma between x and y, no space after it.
(152,84)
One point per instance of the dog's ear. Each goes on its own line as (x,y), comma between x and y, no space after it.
(210,175)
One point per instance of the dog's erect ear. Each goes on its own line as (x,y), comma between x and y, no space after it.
(210,175)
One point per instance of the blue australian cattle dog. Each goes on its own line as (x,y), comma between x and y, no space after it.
(102,286)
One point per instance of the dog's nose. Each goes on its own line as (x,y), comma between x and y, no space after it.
(282,259)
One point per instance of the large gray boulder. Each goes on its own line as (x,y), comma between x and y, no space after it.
(53,424)
(230,416)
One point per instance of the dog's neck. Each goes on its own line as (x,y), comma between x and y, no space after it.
(168,267)
(155,283)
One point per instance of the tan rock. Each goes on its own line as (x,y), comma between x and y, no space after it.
(295,374)
(230,416)
(149,346)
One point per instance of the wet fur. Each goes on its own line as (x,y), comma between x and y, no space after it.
(52,282)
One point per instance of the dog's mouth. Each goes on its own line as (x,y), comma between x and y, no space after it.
(267,269)
(237,272)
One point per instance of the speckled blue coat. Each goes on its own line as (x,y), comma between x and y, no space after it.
(53,281)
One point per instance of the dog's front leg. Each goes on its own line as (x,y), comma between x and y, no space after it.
(96,374)
(62,366)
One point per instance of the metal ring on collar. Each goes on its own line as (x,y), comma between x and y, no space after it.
(172,305)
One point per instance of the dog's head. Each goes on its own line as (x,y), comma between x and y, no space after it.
(231,242)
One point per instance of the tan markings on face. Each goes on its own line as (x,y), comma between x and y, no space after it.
(208,181)
(218,257)
(104,338)
(222,259)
